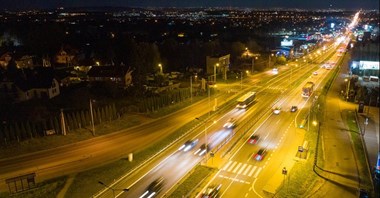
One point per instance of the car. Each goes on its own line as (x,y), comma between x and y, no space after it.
(315,73)
(189,144)
(203,149)
(293,109)
(154,188)
(260,154)
(212,191)
(275,71)
(254,139)
(277,110)
(230,123)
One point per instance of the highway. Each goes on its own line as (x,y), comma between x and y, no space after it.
(179,163)
(242,175)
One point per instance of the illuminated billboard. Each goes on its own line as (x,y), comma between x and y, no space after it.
(369,65)
(286,43)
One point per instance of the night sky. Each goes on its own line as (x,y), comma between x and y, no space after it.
(308,4)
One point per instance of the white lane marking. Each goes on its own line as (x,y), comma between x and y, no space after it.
(227,165)
(232,166)
(257,173)
(253,170)
(237,167)
(246,170)
(242,168)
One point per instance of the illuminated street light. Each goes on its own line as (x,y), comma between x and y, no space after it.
(216,65)
(160,66)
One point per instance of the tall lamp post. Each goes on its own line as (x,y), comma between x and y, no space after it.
(269,59)
(113,189)
(92,118)
(216,65)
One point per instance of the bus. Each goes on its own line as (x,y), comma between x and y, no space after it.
(307,90)
(246,100)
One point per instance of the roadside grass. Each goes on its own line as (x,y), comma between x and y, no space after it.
(192,182)
(46,189)
(365,181)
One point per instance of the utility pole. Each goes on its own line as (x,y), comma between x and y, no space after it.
(191,89)
(92,118)
(63,125)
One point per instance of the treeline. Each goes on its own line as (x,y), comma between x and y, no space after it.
(19,131)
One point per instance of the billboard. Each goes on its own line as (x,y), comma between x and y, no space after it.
(369,65)
(286,43)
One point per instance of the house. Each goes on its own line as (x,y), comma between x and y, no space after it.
(27,84)
(120,75)
(63,58)
(218,64)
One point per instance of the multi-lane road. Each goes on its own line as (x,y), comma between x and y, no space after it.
(94,152)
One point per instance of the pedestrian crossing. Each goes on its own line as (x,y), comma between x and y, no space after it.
(242,169)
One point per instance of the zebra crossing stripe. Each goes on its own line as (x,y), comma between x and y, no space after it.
(257,173)
(246,170)
(253,170)
(232,166)
(227,165)
(237,167)
(242,168)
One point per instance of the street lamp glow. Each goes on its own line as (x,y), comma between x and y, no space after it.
(160,66)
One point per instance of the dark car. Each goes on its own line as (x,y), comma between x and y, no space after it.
(202,150)
(189,144)
(154,188)
(212,191)
(293,109)
(254,139)
(260,154)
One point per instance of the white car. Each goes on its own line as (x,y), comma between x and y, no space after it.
(277,110)
(230,123)
(315,73)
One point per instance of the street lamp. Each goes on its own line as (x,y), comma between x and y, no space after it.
(113,189)
(253,63)
(92,118)
(216,65)
(269,59)
(160,66)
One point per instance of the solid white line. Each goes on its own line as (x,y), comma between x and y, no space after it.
(227,165)
(242,168)
(253,170)
(246,170)
(237,167)
(257,173)
(232,166)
